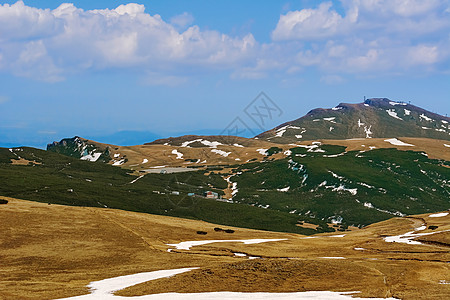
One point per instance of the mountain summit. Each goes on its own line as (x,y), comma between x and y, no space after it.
(374,118)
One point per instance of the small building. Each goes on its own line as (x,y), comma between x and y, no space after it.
(191,194)
(175,193)
(212,195)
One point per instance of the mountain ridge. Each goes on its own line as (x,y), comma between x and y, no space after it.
(373,118)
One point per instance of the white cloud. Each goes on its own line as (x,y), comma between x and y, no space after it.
(371,36)
(182,21)
(50,44)
(367,36)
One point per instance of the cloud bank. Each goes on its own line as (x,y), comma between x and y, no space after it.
(373,37)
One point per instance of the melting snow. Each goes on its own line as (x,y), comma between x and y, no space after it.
(408,237)
(237,145)
(262,151)
(337,108)
(360,123)
(368,132)
(407,112)
(422,116)
(438,215)
(393,114)
(331,119)
(287,152)
(116,155)
(447,145)
(397,103)
(91,157)
(220,152)
(284,189)
(104,289)
(178,154)
(343,188)
(145,161)
(133,181)
(210,144)
(118,163)
(187,245)
(397,142)
(186,144)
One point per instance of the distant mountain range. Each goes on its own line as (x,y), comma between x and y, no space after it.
(374,118)
(354,164)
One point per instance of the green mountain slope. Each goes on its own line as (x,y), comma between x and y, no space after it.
(54,178)
(350,188)
(375,118)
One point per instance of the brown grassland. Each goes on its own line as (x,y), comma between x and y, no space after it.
(161,155)
(54,251)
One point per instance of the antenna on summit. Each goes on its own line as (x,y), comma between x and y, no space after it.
(364,98)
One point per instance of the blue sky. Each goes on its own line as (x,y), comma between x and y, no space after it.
(94,68)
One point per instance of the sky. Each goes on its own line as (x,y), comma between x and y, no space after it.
(125,73)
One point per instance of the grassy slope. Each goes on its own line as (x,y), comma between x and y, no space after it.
(388,179)
(65,180)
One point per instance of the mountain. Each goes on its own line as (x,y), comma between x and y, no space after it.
(374,118)
(369,171)
(316,183)
(81,148)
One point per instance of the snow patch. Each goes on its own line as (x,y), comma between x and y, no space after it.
(187,143)
(422,116)
(188,244)
(393,114)
(178,154)
(119,163)
(91,157)
(262,151)
(144,161)
(397,142)
(397,103)
(220,152)
(368,132)
(439,215)
(210,144)
(284,189)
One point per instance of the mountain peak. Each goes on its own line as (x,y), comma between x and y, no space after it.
(373,118)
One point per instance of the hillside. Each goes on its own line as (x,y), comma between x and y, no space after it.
(54,251)
(284,189)
(374,118)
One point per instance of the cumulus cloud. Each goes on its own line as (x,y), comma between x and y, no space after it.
(370,36)
(50,44)
(182,21)
(363,36)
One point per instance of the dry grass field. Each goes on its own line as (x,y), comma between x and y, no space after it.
(53,251)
